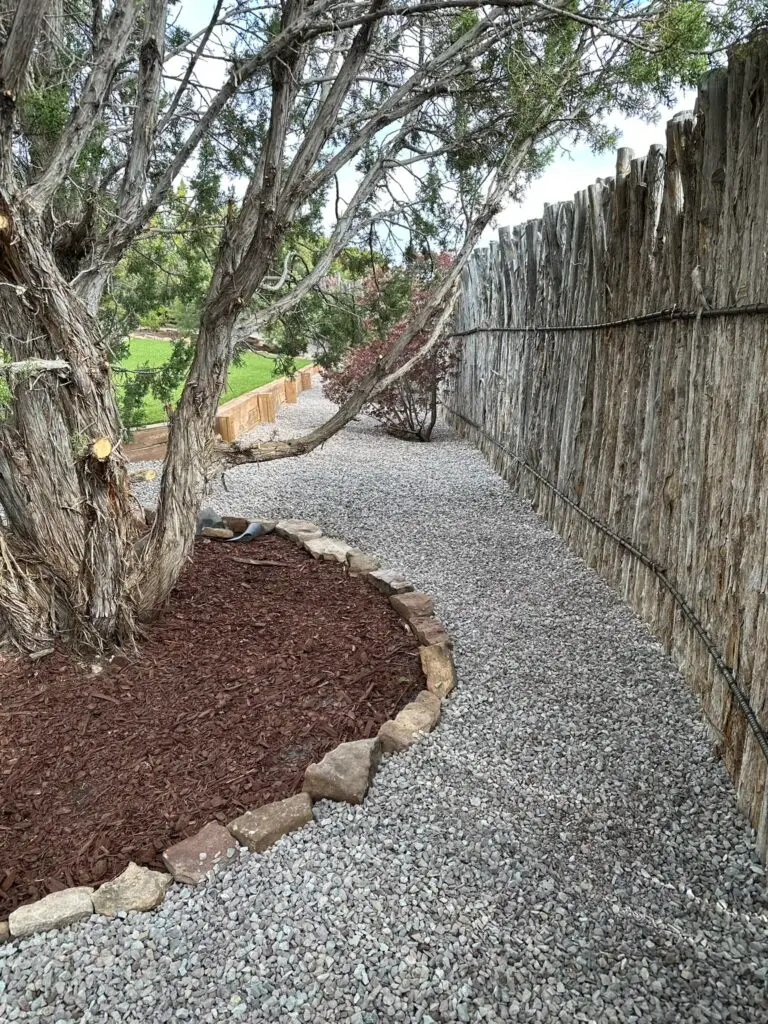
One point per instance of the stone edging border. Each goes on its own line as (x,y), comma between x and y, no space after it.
(344,774)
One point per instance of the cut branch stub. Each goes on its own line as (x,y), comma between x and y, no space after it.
(101,449)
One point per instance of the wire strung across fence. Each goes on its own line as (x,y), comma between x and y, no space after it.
(658,570)
(659,316)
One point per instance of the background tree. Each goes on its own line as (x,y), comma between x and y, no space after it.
(328,321)
(424,109)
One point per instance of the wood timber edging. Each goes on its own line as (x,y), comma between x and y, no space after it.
(233,419)
(343,775)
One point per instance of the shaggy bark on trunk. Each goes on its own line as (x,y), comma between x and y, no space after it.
(64,491)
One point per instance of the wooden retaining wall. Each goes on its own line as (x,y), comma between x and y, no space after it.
(659,430)
(233,419)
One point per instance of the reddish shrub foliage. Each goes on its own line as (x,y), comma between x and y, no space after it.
(408,408)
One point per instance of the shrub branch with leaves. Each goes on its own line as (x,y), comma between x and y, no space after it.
(391,301)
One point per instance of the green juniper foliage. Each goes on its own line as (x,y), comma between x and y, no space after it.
(163,280)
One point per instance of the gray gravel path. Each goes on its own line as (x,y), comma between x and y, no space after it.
(564,847)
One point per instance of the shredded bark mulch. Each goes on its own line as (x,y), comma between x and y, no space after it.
(262,662)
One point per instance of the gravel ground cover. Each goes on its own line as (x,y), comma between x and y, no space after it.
(564,847)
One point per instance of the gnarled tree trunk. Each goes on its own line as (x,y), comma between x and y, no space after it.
(70,564)
(188,459)
(63,481)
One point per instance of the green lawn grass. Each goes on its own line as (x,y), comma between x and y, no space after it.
(253,371)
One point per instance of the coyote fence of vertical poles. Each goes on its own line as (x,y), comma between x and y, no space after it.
(657,422)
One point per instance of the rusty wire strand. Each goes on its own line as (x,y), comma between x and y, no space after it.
(659,316)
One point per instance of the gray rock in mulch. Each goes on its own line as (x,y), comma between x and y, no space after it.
(327,548)
(137,888)
(260,828)
(190,860)
(237,524)
(389,581)
(208,518)
(217,533)
(345,772)
(417,718)
(53,911)
(437,665)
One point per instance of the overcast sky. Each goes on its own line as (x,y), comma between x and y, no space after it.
(573,171)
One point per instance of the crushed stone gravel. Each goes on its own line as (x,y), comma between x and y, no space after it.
(564,847)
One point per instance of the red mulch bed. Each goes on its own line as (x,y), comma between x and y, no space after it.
(252,671)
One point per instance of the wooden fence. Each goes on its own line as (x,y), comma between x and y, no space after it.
(659,430)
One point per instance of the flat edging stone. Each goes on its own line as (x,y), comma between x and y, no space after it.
(56,910)
(345,772)
(258,829)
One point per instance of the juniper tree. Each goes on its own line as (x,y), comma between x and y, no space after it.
(431,111)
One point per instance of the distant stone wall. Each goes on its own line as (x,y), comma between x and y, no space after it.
(660,429)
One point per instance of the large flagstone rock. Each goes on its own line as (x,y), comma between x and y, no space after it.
(345,772)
